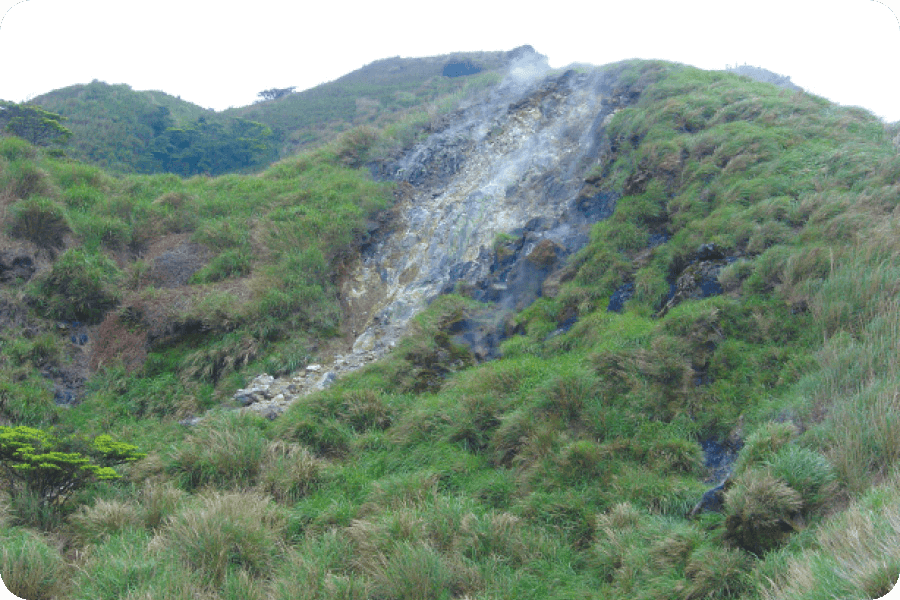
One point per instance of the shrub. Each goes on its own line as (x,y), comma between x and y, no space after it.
(15,148)
(290,472)
(118,568)
(157,501)
(92,524)
(24,179)
(78,287)
(365,409)
(40,221)
(96,231)
(27,401)
(715,572)
(230,263)
(53,467)
(762,444)
(414,571)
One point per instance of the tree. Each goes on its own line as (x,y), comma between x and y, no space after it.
(212,146)
(33,123)
(276,93)
(53,466)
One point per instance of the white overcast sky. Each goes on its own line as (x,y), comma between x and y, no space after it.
(220,54)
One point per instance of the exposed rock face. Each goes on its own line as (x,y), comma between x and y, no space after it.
(16,265)
(765,76)
(514,165)
(460,68)
(491,205)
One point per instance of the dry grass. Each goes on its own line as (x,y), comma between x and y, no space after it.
(240,530)
(761,511)
(93,524)
(289,472)
(31,568)
(857,554)
(158,501)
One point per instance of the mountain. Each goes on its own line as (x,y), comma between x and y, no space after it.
(375,94)
(123,130)
(618,331)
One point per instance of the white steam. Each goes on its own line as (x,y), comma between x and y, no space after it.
(527,68)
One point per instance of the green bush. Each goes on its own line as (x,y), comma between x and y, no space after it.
(230,263)
(15,148)
(804,470)
(763,444)
(105,518)
(102,231)
(78,287)
(26,399)
(289,472)
(23,179)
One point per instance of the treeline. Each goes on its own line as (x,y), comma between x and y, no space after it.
(119,129)
(211,146)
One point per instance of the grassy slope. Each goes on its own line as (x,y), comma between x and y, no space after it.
(564,469)
(375,94)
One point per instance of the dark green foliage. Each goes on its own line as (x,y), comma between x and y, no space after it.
(210,147)
(33,124)
(79,287)
(53,467)
(112,125)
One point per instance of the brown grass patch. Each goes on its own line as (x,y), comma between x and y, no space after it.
(118,341)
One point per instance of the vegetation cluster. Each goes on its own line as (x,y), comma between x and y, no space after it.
(566,468)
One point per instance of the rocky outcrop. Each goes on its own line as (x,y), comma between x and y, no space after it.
(700,279)
(765,76)
(16,264)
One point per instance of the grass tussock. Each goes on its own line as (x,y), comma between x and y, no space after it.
(226,451)
(224,532)
(32,568)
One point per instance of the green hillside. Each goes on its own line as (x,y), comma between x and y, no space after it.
(126,131)
(567,468)
(373,95)
(113,125)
